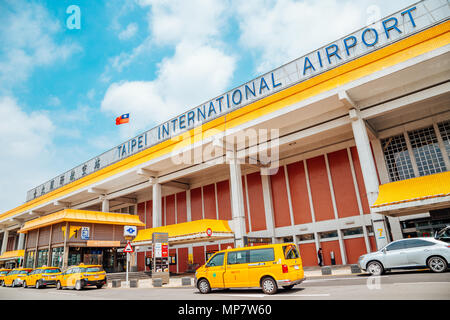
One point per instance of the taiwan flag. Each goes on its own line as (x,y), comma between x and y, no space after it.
(125,118)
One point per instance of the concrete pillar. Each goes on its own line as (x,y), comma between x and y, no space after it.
(21,244)
(268,205)
(369,175)
(237,200)
(157,213)
(5,240)
(105,205)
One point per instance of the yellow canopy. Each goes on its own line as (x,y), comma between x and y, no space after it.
(12,254)
(84,216)
(421,188)
(188,232)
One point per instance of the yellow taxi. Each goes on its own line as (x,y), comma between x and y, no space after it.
(15,277)
(81,276)
(41,277)
(3,273)
(267,267)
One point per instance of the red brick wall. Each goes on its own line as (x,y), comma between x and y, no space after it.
(344,189)
(320,188)
(299,193)
(327,247)
(354,248)
(308,253)
(280,199)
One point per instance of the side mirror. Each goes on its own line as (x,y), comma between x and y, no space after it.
(384,251)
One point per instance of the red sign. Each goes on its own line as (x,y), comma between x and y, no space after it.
(209,232)
(165,250)
(128,248)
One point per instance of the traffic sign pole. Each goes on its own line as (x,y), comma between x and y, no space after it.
(128,249)
(129,232)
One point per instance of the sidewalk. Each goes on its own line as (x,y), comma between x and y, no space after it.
(175,281)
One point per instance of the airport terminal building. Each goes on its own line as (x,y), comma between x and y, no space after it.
(345,148)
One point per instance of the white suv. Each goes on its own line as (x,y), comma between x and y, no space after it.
(409,253)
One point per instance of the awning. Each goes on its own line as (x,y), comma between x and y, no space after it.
(10,255)
(188,232)
(421,191)
(83,216)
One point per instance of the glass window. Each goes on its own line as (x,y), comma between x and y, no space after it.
(57,257)
(352,231)
(29,260)
(216,260)
(42,258)
(414,243)
(306,237)
(290,252)
(261,255)
(94,269)
(444,130)
(426,151)
(396,245)
(52,270)
(237,257)
(329,234)
(397,158)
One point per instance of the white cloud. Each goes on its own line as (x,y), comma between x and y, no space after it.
(195,20)
(286,29)
(26,141)
(193,75)
(129,31)
(27,37)
(199,69)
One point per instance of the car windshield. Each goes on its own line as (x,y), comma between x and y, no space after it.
(14,272)
(3,272)
(22,272)
(52,271)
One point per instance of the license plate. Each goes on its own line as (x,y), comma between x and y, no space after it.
(296,267)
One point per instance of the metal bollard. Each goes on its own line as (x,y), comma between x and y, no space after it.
(157,282)
(185,281)
(355,268)
(116,283)
(326,270)
(133,283)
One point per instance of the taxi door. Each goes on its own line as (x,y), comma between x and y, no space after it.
(236,273)
(30,278)
(260,264)
(8,280)
(35,276)
(65,278)
(215,270)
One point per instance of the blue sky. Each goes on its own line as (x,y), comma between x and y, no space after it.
(61,89)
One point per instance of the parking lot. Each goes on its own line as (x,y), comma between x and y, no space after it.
(404,285)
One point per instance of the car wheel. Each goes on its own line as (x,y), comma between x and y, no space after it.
(13,284)
(58,285)
(37,285)
(99,286)
(203,286)
(78,285)
(25,284)
(269,286)
(437,264)
(375,268)
(288,287)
